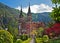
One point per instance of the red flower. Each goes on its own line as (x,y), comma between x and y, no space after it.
(55,28)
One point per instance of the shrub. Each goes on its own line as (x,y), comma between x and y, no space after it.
(45,38)
(19,41)
(27,41)
(5,37)
(24,37)
(39,40)
(54,40)
(14,39)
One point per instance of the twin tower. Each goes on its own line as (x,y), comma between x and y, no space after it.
(29,15)
(24,21)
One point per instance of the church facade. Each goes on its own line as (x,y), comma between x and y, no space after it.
(26,25)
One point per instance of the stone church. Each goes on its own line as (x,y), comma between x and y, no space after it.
(26,25)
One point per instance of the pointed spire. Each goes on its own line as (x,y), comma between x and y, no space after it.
(21,15)
(29,10)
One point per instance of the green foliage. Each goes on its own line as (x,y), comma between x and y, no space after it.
(40,32)
(14,39)
(56,10)
(14,32)
(18,41)
(55,1)
(54,41)
(45,38)
(1,28)
(50,24)
(27,41)
(39,40)
(56,14)
(5,37)
(12,18)
(24,37)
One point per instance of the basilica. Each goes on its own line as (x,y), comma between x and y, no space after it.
(26,25)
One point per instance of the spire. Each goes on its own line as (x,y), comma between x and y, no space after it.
(21,15)
(29,11)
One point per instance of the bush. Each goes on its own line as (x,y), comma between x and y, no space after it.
(39,40)
(24,37)
(14,39)
(27,41)
(45,38)
(19,41)
(54,41)
(5,37)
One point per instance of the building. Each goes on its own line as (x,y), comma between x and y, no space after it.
(26,25)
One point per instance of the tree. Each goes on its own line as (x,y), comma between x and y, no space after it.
(55,14)
(56,2)
(40,31)
(5,37)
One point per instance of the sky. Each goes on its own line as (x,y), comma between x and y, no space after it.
(37,6)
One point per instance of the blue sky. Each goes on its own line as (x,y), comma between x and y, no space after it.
(36,5)
(15,3)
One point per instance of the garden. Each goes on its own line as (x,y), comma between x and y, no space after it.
(6,37)
(42,35)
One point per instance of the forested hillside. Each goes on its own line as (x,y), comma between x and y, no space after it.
(9,16)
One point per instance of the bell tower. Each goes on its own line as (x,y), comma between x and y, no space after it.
(21,19)
(29,19)
(29,15)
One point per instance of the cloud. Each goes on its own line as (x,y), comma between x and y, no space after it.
(37,8)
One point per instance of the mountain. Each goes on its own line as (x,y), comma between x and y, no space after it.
(8,10)
(10,13)
(42,17)
(5,9)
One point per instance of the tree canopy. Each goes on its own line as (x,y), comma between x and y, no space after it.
(56,11)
